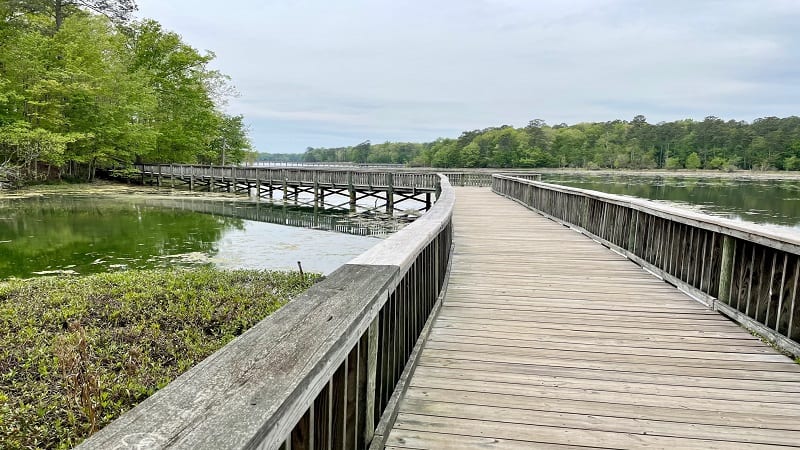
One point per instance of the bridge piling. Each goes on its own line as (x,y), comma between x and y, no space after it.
(351,189)
(390,194)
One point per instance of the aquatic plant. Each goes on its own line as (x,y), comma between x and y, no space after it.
(77,352)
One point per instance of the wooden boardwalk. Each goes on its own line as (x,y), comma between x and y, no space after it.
(547,339)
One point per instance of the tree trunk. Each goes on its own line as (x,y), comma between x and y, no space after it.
(58,10)
(92,166)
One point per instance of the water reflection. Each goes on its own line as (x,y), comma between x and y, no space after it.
(89,234)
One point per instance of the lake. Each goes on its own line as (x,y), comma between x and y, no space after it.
(774,204)
(83,232)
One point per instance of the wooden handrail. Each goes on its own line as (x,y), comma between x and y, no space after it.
(747,273)
(361,177)
(320,371)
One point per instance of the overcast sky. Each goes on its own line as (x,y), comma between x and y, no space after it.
(327,73)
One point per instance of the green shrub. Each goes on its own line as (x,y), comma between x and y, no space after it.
(76,352)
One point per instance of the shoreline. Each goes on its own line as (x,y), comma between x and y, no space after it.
(739,174)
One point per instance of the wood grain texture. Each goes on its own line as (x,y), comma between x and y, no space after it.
(547,339)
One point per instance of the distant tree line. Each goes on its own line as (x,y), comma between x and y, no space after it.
(279,157)
(83,86)
(769,143)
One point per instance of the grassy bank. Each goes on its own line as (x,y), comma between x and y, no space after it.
(76,352)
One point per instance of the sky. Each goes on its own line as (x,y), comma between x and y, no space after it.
(330,73)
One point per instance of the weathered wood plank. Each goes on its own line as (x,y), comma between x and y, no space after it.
(539,434)
(546,338)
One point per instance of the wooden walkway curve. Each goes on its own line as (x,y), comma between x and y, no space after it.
(547,339)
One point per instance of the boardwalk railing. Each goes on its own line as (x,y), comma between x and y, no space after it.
(328,176)
(324,164)
(483,179)
(744,272)
(321,371)
(303,176)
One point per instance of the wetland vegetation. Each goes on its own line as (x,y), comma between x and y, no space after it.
(76,352)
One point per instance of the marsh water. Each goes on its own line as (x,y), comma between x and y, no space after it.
(81,233)
(84,231)
(774,204)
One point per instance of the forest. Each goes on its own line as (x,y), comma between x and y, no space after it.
(768,143)
(84,86)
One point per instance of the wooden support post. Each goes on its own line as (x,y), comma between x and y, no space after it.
(158,180)
(258,188)
(191,182)
(728,244)
(427,201)
(352,190)
(390,193)
(285,188)
(211,184)
(171,176)
(296,194)
(316,190)
(372,369)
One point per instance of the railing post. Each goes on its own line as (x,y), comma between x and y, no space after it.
(372,369)
(390,193)
(316,189)
(634,227)
(351,189)
(726,270)
(585,219)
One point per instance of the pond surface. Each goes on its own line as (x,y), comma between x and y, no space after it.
(81,234)
(774,204)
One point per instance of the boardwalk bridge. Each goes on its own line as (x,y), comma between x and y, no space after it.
(526,316)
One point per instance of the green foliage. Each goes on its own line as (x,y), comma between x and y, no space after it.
(693,161)
(75,353)
(716,163)
(673,163)
(77,89)
(764,144)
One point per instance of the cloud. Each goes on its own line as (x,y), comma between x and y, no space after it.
(321,73)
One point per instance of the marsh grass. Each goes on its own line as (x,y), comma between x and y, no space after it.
(77,352)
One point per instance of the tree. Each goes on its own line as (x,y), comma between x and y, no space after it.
(767,142)
(231,144)
(118,11)
(693,161)
(185,120)
(90,94)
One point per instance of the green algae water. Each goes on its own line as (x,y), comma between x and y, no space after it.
(773,204)
(83,233)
